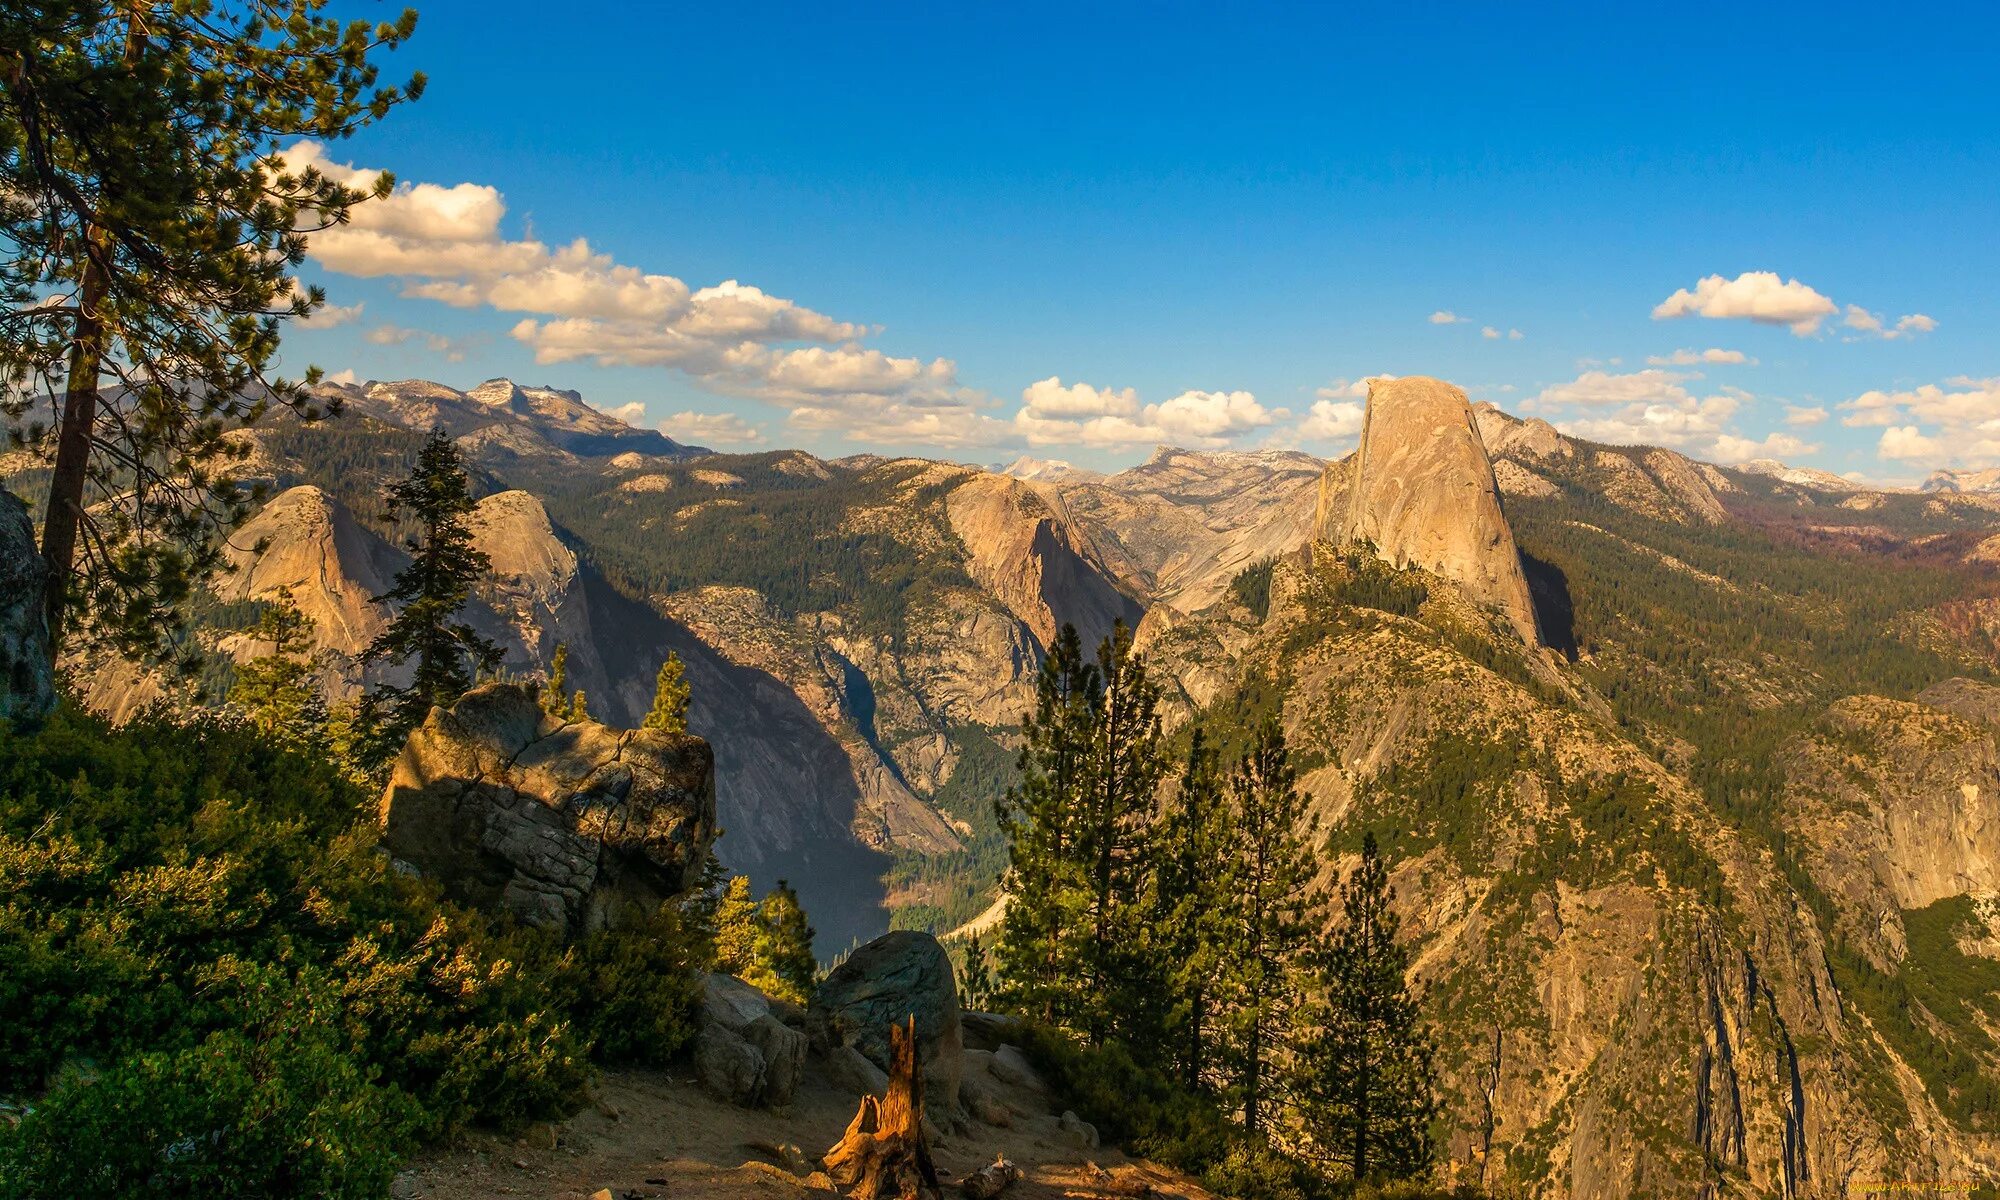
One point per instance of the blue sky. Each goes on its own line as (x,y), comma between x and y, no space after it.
(977,234)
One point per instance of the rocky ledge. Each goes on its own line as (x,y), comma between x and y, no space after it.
(570,825)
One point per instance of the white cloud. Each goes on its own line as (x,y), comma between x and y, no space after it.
(1333,420)
(1907,443)
(445,244)
(631,414)
(1953,424)
(711,429)
(1492,334)
(1695,358)
(1801,417)
(1868,324)
(1729,448)
(1759,296)
(387,334)
(1054,413)
(344,376)
(328,316)
(1444,316)
(1344,389)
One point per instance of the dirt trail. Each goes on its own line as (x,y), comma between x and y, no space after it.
(656,1134)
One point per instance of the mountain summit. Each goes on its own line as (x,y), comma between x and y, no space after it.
(1421,491)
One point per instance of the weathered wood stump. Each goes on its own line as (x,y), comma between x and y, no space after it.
(882,1155)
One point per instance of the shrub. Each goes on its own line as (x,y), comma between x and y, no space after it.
(205,912)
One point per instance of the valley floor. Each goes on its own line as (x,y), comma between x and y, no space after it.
(657,1134)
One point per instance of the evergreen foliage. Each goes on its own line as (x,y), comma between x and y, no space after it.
(1366,1080)
(430,592)
(1047,880)
(556,699)
(279,691)
(670,698)
(1278,911)
(154,224)
(782,962)
(1192,913)
(766,943)
(196,908)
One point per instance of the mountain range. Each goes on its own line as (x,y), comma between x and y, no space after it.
(1690,773)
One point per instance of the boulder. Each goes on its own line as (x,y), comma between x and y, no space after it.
(727,1065)
(1079,1131)
(570,825)
(783,1050)
(1421,492)
(27,679)
(1009,1065)
(897,976)
(731,1003)
(848,1070)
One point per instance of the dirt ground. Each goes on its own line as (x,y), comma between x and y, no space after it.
(657,1135)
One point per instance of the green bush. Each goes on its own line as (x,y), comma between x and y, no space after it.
(206,914)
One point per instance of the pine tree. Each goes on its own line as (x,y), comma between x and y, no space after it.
(1045,884)
(1278,912)
(431,591)
(781,952)
(1368,1071)
(735,928)
(279,691)
(975,977)
(556,699)
(1119,792)
(152,224)
(670,698)
(1192,902)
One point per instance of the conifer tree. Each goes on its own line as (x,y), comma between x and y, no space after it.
(975,977)
(1120,787)
(1046,885)
(153,222)
(278,691)
(735,928)
(781,952)
(556,699)
(670,698)
(1278,911)
(1192,902)
(1367,1069)
(431,591)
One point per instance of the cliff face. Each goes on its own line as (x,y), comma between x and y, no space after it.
(1421,492)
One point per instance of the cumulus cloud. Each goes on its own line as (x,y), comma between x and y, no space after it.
(1346,389)
(1492,334)
(1055,413)
(1868,324)
(711,429)
(1333,420)
(328,316)
(631,414)
(1445,316)
(1956,423)
(1759,296)
(344,377)
(1801,417)
(1655,407)
(387,334)
(446,243)
(1729,448)
(1696,358)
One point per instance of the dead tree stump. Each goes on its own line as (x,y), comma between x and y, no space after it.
(882,1155)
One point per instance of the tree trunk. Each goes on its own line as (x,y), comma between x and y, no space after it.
(882,1155)
(64,518)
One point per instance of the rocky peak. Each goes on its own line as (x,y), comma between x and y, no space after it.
(514,530)
(1963,481)
(1421,492)
(1506,435)
(307,542)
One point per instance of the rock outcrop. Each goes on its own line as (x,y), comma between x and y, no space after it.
(1422,493)
(896,977)
(570,825)
(306,542)
(743,1052)
(27,679)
